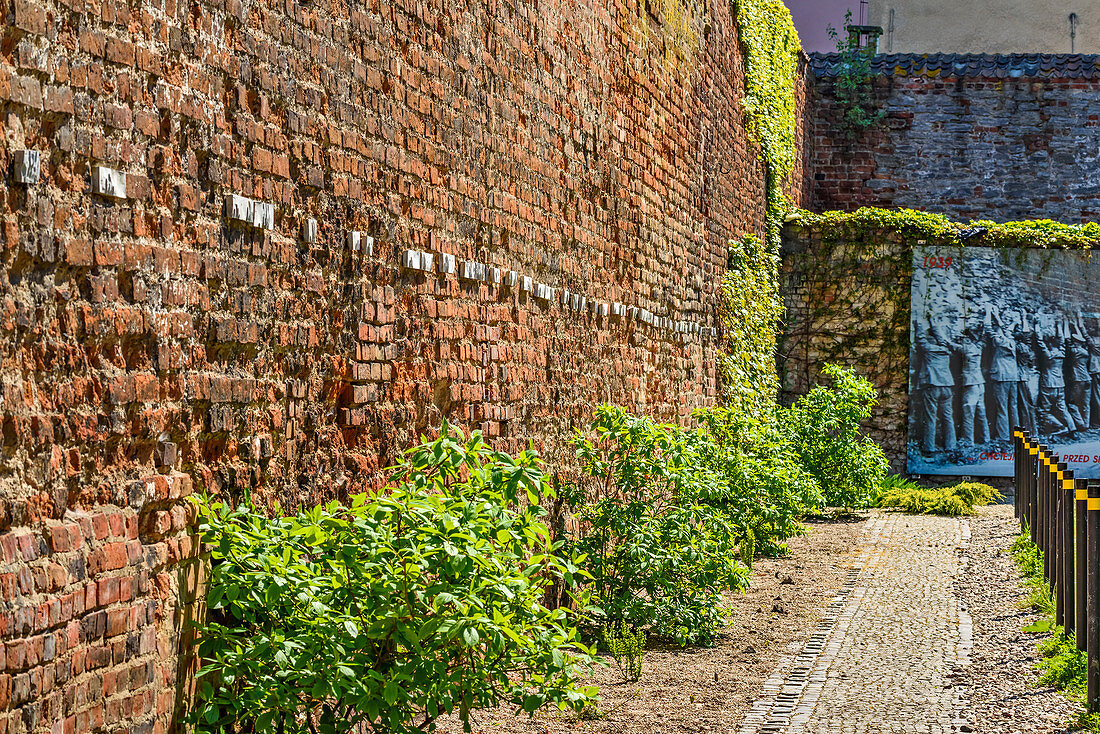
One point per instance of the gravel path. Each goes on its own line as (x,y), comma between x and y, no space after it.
(925,638)
(882,663)
(1003,696)
(902,624)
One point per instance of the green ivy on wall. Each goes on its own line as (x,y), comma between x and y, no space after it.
(771,48)
(750,314)
(911,224)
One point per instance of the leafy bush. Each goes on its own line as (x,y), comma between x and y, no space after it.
(385,614)
(894,482)
(823,428)
(953,500)
(765,489)
(1062,665)
(627,648)
(658,551)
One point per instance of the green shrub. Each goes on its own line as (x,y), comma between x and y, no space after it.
(766,490)
(659,551)
(1062,665)
(894,482)
(823,428)
(380,616)
(627,648)
(976,494)
(953,500)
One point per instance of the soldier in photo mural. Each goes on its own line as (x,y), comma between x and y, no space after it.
(1093,329)
(1003,372)
(1028,386)
(1078,379)
(1052,413)
(972,419)
(938,385)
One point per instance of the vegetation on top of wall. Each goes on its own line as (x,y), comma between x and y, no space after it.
(852,86)
(914,224)
(771,48)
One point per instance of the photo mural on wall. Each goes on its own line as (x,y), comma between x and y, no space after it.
(1003,338)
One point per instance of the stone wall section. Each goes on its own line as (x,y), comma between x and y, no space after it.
(271,243)
(973,137)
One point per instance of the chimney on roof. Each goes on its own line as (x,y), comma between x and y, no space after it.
(864,37)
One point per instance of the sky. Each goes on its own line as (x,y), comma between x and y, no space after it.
(812,17)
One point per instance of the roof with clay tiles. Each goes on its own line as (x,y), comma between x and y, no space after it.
(995,66)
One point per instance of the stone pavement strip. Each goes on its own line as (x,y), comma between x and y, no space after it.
(887,649)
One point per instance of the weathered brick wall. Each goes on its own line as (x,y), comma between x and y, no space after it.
(151,346)
(974,137)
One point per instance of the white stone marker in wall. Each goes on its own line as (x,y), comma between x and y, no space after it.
(108,182)
(417,260)
(27,165)
(309,231)
(446,264)
(263,215)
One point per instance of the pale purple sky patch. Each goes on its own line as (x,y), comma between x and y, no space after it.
(812,17)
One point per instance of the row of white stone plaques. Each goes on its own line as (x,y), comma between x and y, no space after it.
(261,215)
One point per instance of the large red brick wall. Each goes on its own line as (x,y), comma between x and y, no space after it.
(152,347)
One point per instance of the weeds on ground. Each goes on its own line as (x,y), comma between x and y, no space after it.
(1062,666)
(627,647)
(1029,559)
(953,500)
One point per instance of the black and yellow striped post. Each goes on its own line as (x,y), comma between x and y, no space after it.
(1044,509)
(1081,589)
(1017,473)
(1025,496)
(1033,490)
(1092,564)
(1057,547)
(1066,497)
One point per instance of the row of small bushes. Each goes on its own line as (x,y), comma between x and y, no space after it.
(434,596)
(951,500)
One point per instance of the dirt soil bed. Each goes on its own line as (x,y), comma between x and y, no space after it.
(710,689)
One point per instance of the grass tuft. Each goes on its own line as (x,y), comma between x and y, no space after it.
(1062,666)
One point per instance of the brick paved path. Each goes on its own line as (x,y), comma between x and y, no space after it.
(882,659)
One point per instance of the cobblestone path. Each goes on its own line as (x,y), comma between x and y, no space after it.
(888,648)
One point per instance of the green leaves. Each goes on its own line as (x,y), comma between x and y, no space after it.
(422,599)
(771,45)
(824,428)
(659,555)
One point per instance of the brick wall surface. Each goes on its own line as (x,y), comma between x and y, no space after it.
(973,137)
(161,339)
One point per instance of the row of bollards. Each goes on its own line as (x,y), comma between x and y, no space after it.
(1062,516)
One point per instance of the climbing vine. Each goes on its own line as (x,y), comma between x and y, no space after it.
(911,224)
(750,313)
(771,48)
(853,86)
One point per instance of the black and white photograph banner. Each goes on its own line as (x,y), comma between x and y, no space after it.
(1003,338)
